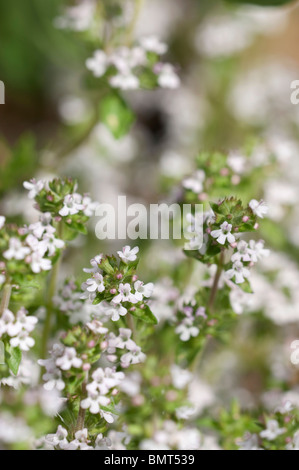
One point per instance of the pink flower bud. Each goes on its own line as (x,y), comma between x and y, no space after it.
(104,345)
(135,278)
(171,395)
(119,276)
(224,172)
(84,357)
(245,218)
(256,226)
(91,344)
(203,197)
(113,291)
(236,180)
(132,309)
(86,367)
(138,400)
(50,198)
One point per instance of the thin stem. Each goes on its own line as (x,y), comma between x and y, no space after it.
(132,27)
(131,324)
(82,413)
(5,298)
(49,310)
(49,304)
(216,282)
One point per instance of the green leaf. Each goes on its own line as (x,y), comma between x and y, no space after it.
(116,115)
(145,314)
(263,3)
(13,358)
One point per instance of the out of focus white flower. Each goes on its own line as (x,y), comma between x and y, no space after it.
(180,377)
(167,77)
(273,430)
(259,208)
(153,44)
(2,221)
(34,187)
(98,64)
(77,18)
(195,183)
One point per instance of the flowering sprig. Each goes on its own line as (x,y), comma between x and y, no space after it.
(130,68)
(74,367)
(60,199)
(115,287)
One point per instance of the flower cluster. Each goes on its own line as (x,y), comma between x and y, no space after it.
(137,67)
(116,289)
(17,329)
(60,200)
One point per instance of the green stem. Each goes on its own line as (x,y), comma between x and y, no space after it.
(132,27)
(82,413)
(49,310)
(5,298)
(214,290)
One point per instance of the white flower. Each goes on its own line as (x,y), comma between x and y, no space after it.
(186,330)
(80,442)
(122,341)
(72,205)
(2,221)
(38,263)
(94,263)
(95,284)
(272,431)
(239,272)
(97,327)
(257,250)
(89,206)
(59,439)
(143,290)
(195,183)
(94,402)
(78,17)
(185,412)
(180,377)
(98,64)
(69,360)
(125,81)
(168,77)
(16,250)
(34,187)
(243,253)
(224,234)
(135,356)
(125,294)
(153,44)
(249,442)
(53,377)
(127,254)
(115,311)
(259,208)
(22,341)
